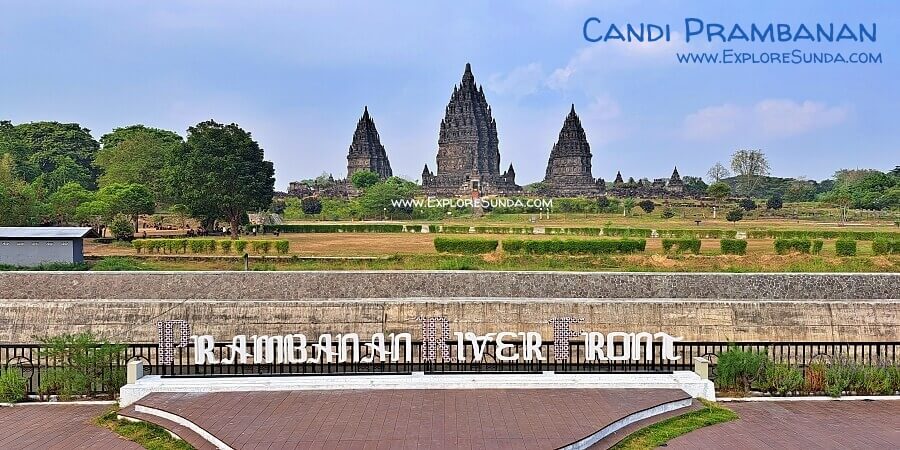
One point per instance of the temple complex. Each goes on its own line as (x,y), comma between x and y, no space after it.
(569,168)
(468,158)
(366,151)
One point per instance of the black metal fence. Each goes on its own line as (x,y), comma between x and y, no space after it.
(34,363)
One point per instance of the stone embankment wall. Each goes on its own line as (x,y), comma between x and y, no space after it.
(700,307)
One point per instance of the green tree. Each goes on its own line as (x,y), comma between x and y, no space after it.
(774,202)
(734,215)
(221,173)
(364,179)
(694,184)
(749,166)
(181,213)
(121,227)
(95,213)
(391,196)
(57,153)
(627,206)
(139,155)
(719,190)
(647,205)
(19,203)
(66,199)
(132,200)
(311,205)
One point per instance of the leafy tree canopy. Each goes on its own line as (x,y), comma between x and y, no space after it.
(381,197)
(142,155)
(221,173)
(363,179)
(51,153)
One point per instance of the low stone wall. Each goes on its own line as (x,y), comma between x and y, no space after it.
(440,284)
(699,307)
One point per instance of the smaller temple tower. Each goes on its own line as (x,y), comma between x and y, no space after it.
(675,184)
(366,151)
(569,167)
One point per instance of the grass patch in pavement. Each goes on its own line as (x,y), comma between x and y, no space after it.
(147,435)
(659,433)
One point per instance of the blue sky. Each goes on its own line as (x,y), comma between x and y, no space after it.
(298,73)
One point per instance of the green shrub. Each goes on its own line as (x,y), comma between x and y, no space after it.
(845,247)
(574,246)
(682,245)
(121,227)
(814,378)
(871,380)
(116,264)
(81,364)
(885,246)
(138,244)
(240,246)
(210,245)
(817,246)
(781,379)
(785,246)
(282,247)
(465,246)
(893,372)
(13,386)
(838,378)
(225,245)
(740,369)
(733,246)
(197,245)
(458,263)
(262,247)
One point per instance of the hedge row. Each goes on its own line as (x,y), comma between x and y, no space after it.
(820,234)
(883,246)
(207,246)
(343,228)
(682,245)
(845,247)
(733,246)
(785,246)
(574,246)
(465,246)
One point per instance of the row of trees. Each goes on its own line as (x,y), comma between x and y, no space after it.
(53,173)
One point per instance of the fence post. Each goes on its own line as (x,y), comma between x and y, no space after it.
(134,371)
(701,367)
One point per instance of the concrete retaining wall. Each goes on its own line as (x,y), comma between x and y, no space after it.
(747,307)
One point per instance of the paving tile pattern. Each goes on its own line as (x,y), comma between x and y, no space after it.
(466,419)
(801,425)
(57,427)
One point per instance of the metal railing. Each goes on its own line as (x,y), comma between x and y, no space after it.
(35,364)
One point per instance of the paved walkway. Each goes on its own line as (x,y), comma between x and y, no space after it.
(57,427)
(434,419)
(801,425)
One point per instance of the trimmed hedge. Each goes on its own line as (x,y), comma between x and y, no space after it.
(845,247)
(339,228)
(820,234)
(208,246)
(574,246)
(465,246)
(785,246)
(817,246)
(682,245)
(884,246)
(733,246)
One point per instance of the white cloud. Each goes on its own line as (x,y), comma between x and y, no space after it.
(769,118)
(787,118)
(602,57)
(521,81)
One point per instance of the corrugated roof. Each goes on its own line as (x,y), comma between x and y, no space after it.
(45,232)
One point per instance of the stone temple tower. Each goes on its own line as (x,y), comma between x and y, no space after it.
(468,157)
(569,168)
(366,151)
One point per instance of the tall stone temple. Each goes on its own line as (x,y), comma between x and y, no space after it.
(569,168)
(366,151)
(468,158)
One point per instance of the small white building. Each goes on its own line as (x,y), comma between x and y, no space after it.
(33,246)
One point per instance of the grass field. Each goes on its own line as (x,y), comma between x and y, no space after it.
(395,251)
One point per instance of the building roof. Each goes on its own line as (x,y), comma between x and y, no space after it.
(46,232)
